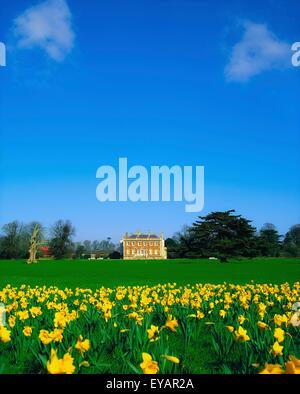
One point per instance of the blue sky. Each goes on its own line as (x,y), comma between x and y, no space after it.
(159,82)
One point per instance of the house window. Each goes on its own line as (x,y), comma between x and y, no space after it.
(132,243)
(156,243)
(128,243)
(139,243)
(144,243)
(151,243)
(150,251)
(156,251)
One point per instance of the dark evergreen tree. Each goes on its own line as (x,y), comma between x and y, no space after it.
(173,247)
(222,235)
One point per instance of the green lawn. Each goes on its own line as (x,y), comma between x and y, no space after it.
(92,274)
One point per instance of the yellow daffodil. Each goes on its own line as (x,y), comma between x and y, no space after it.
(27,331)
(200,315)
(277,349)
(4,334)
(35,311)
(82,345)
(171,323)
(149,366)
(153,333)
(292,366)
(56,335)
(60,319)
(11,321)
(272,369)
(262,325)
(279,334)
(280,319)
(23,315)
(241,319)
(60,366)
(241,335)
(135,316)
(173,359)
(45,337)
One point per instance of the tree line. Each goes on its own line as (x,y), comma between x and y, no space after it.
(220,234)
(15,239)
(224,234)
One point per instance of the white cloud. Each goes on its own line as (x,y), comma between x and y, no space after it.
(47,26)
(259,50)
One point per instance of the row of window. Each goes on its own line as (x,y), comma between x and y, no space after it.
(141,252)
(139,243)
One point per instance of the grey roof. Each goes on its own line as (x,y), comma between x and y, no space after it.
(139,235)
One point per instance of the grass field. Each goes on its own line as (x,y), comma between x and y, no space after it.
(92,274)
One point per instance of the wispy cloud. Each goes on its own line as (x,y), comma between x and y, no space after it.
(48,26)
(258,50)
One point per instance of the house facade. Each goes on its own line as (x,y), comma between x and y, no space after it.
(140,246)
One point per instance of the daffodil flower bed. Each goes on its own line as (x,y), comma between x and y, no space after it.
(250,328)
